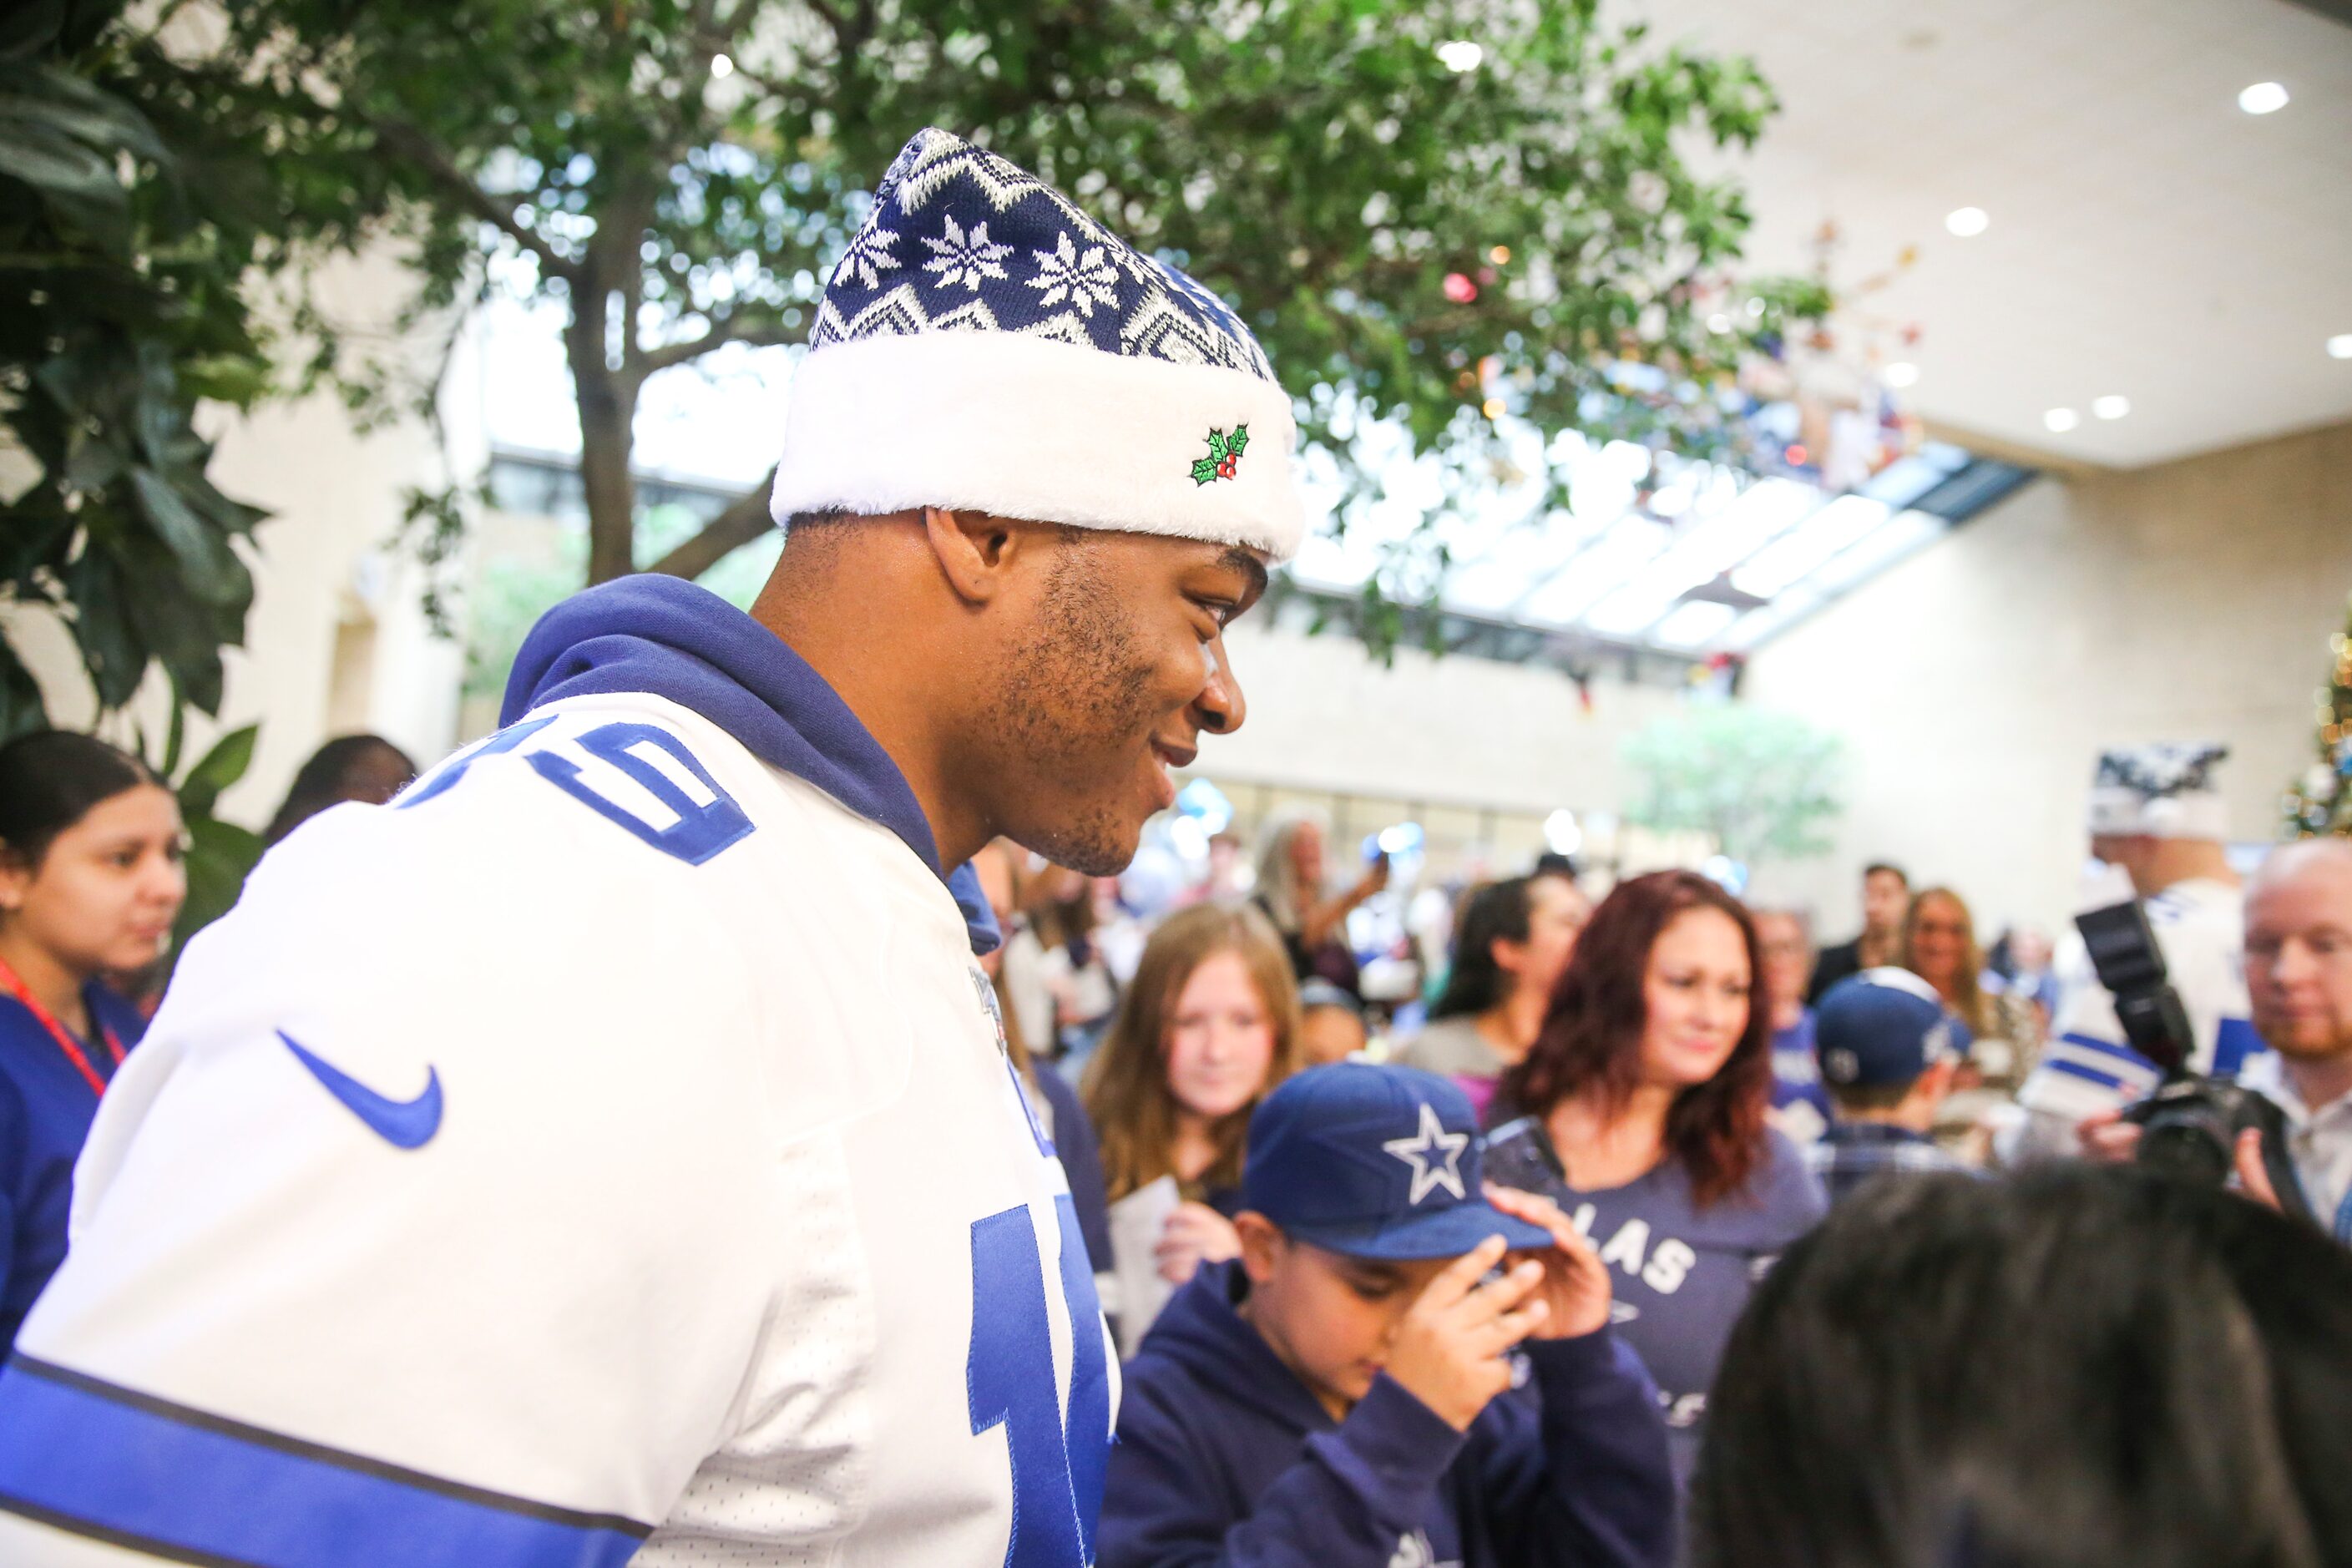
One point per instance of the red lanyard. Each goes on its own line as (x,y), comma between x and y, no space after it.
(14,986)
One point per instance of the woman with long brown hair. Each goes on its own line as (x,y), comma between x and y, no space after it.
(1641,1111)
(1207,1028)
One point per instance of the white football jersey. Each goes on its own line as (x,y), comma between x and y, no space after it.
(2201,927)
(605,1153)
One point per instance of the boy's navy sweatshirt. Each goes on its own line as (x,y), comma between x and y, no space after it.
(1224,1457)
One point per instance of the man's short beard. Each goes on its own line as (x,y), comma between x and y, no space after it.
(1079,688)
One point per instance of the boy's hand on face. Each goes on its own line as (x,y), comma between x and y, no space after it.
(1449,1347)
(1575,1281)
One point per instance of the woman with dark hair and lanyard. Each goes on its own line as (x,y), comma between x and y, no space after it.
(90,881)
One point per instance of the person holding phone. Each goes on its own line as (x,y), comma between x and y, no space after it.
(1314,927)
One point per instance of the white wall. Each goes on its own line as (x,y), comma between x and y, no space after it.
(1323,715)
(1977,682)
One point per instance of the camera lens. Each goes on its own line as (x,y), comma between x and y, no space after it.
(2185,1149)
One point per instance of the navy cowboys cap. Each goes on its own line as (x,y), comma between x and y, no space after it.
(1881,1026)
(985,343)
(1374,1162)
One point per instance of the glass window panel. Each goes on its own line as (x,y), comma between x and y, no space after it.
(1882,549)
(1811,542)
(1520,560)
(1630,540)
(1693,624)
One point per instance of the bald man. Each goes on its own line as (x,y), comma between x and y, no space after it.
(2299,980)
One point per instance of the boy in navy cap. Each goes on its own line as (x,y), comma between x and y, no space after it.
(1885,1039)
(1343,1393)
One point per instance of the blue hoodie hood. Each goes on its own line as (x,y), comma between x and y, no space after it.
(671,639)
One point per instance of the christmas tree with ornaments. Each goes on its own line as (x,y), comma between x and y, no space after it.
(2320,802)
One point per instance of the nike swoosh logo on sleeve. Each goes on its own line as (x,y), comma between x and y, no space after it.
(403,1124)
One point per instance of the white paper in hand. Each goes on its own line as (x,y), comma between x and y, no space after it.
(1135,1223)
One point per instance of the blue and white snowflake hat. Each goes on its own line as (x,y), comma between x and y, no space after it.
(2163,790)
(985,344)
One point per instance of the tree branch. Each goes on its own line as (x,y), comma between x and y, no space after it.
(405,140)
(744,521)
(770,334)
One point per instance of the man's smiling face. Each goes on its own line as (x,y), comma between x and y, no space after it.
(1120,668)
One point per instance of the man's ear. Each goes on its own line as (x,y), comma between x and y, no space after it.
(1262,1245)
(975,551)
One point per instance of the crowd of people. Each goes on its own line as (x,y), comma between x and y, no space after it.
(794,1168)
(1659,1083)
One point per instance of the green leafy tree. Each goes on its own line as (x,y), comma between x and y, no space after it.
(219,853)
(1761,782)
(1412,234)
(138,204)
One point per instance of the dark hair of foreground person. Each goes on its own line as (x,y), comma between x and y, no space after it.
(2079,1368)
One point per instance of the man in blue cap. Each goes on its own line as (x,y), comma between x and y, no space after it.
(1344,1392)
(1885,1039)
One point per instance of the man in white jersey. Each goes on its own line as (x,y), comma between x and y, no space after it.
(606,1152)
(2157,817)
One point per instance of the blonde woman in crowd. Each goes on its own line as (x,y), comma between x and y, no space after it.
(1289,890)
(1939,946)
(1207,1027)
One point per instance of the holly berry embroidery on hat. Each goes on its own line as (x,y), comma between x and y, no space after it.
(1225,451)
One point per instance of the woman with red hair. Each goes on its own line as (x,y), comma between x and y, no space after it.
(1641,1111)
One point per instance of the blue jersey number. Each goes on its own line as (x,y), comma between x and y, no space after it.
(706,817)
(1057,1459)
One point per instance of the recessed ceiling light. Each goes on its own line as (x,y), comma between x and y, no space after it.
(2114,406)
(2340,346)
(2061,420)
(1901,373)
(1967,222)
(2263,97)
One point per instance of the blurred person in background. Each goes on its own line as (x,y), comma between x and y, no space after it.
(2158,822)
(1939,945)
(1641,1112)
(1072,966)
(1800,1109)
(1289,890)
(1330,1023)
(1888,1055)
(90,880)
(1514,940)
(1903,1394)
(1886,900)
(1053,1099)
(2298,946)
(1209,1027)
(365,768)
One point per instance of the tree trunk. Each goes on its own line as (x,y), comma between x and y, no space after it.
(608,405)
(743,520)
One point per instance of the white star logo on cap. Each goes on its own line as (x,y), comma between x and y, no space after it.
(1423,1151)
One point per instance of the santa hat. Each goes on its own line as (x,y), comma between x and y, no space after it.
(2164,790)
(985,344)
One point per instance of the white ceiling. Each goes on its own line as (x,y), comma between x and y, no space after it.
(2148,238)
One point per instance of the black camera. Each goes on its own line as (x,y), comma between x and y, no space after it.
(2190,1123)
